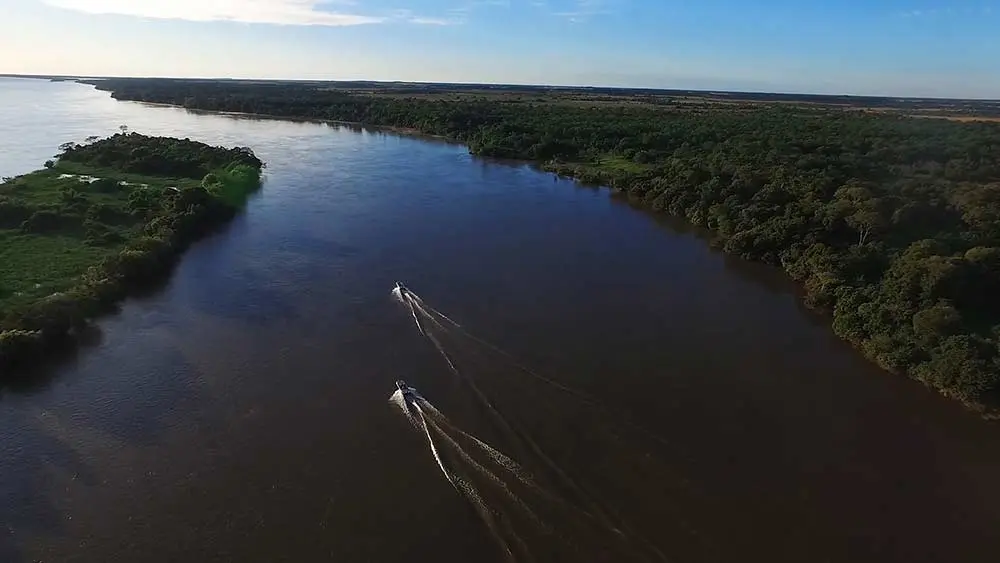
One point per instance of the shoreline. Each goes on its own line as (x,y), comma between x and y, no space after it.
(402,131)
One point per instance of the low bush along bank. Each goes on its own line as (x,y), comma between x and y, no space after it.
(102,219)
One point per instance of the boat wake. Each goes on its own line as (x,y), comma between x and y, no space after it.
(532,506)
(527,520)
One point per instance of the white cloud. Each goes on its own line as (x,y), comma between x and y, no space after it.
(285,12)
(431,21)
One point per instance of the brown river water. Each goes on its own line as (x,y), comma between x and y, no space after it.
(617,390)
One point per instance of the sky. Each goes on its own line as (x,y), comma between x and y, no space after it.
(940,48)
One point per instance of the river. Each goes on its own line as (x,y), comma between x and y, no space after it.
(241,413)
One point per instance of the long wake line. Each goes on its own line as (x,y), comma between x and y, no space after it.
(415,304)
(423,419)
(462,470)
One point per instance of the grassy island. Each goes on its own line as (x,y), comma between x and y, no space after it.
(103,219)
(886,210)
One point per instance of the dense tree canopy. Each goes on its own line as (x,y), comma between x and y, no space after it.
(892,223)
(157,156)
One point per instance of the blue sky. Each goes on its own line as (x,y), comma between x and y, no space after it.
(882,47)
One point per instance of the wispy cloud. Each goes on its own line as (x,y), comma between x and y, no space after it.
(584,9)
(280,12)
(407,16)
(421,20)
(284,12)
(462,12)
(949,11)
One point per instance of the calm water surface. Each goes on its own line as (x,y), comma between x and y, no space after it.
(241,413)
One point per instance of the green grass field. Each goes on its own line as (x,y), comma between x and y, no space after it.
(86,221)
(33,266)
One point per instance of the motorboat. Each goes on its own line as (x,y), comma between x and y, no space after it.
(407,391)
(401,289)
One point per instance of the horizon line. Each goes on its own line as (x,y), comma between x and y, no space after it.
(80,77)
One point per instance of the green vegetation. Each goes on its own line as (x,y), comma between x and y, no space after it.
(104,219)
(891,223)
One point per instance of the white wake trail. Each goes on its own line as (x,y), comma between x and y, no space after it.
(433,324)
(593,508)
(461,485)
(434,450)
(416,303)
(428,310)
(501,459)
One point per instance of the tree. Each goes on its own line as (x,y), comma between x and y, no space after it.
(962,366)
(865,221)
(935,323)
(861,210)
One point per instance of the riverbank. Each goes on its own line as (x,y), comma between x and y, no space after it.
(888,222)
(101,221)
(408,131)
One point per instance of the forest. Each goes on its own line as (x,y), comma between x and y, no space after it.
(890,222)
(99,221)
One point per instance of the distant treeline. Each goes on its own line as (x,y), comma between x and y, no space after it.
(891,223)
(982,108)
(123,231)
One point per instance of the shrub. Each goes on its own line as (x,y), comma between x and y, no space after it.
(13,213)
